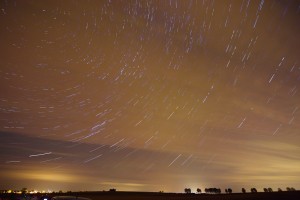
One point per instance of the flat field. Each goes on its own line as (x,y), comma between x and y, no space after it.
(172,196)
(169,196)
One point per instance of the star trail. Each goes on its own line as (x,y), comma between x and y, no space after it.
(149,95)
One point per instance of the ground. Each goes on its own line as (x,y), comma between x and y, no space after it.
(173,196)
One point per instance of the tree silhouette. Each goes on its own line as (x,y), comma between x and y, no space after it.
(24,190)
(228,190)
(270,190)
(243,190)
(187,190)
(253,190)
(213,190)
(265,190)
(279,190)
(198,190)
(288,189)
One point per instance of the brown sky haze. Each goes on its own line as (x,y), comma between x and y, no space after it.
(149,95)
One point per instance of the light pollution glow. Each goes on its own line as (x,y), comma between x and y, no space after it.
(149,95)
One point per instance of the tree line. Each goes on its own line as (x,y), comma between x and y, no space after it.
(229,190)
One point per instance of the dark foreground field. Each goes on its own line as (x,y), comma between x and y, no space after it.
(171,196)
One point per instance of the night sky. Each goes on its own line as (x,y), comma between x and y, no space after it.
(149,95)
